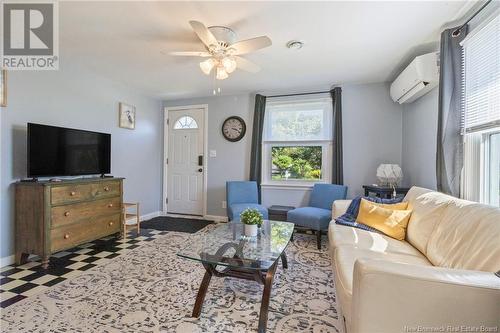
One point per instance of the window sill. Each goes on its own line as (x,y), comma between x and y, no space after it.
(288,186)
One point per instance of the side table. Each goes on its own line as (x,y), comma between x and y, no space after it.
(278,213)
(385,192)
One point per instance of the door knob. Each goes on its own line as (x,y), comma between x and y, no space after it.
(200,170)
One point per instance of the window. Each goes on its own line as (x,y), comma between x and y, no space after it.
(297,140)
(185,122)
(481,113)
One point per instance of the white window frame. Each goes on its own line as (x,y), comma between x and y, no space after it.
(326,160)
(477,142)
(486,160)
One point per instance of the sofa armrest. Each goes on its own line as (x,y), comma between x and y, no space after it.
(396,297)
(339,207)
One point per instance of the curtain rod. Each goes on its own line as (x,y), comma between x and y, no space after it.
(458,30)
(310,93)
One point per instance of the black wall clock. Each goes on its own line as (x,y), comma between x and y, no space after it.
(234,128)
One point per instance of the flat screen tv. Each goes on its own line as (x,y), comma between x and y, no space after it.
(57,151)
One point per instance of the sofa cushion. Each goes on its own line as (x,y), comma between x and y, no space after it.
(467,237)
(427,209)
(339,207)
(339,235)
(346,256)
(310,217)
(236,210)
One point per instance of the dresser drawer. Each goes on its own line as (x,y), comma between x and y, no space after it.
(68,214)
(106,189)
(71,235)
(70,193)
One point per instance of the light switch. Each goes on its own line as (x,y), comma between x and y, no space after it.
(213,153)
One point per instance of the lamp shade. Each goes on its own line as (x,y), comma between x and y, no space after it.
(389,174)
(221,73)
(207,65)
(229,64)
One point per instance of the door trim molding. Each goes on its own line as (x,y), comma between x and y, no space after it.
(205,151)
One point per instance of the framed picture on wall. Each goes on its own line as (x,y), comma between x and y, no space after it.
(127,116)
(3,88)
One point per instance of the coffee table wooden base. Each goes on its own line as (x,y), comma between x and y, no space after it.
(264,277)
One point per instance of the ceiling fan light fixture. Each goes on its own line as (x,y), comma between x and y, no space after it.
(207,65)
(229,64)
(221,73)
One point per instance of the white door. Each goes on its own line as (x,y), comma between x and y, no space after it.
(185,161)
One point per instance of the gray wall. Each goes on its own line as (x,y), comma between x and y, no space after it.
(233,158)
(372,133)
(74,97)
(371,130)
(419,140)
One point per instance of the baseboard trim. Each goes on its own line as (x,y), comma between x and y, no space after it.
(150,216)
(216,218)
(6,261)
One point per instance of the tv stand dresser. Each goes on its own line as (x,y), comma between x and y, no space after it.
(55,216)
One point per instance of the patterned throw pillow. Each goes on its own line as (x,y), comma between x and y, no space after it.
(349,218)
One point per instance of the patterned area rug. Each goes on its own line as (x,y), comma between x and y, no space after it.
(150,289)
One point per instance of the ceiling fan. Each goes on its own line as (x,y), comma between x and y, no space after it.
(223,51)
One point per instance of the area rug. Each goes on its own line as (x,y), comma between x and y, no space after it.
(169,223)
(151,289)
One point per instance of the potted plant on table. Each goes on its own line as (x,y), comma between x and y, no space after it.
(252,219)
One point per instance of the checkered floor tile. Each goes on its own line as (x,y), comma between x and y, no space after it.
(19,282)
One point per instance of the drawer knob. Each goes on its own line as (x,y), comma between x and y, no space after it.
(72,193)
(110,223)
(106,189)
(110,205)
(66,213)
(66,236)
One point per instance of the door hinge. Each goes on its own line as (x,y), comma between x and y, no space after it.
(168,121)
(167,160)
(166,200)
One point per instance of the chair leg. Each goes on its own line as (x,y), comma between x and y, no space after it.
(318,239)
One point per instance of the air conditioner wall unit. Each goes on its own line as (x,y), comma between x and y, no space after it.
(416,80)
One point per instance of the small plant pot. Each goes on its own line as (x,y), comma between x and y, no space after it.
(251,230)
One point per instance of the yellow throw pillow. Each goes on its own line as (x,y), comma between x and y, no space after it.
(391,219)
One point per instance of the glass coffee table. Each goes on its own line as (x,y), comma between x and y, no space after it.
(237,256)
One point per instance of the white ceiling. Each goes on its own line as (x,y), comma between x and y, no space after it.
(345,42)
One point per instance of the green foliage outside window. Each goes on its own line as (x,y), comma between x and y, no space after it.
(302,163)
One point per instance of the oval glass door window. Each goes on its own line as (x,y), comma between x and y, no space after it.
(185,122)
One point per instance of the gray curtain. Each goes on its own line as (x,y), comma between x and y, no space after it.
(258,127)
(337,165)
(449,158)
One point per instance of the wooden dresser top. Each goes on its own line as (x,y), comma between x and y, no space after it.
(69,181)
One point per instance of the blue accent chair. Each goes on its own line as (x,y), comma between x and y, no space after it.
(319,213)
(241,195)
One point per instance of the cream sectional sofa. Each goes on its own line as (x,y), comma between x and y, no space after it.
(441,277)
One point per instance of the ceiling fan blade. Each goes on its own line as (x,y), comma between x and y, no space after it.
(203,33)
(191,54)
(246,65)
(250,45)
